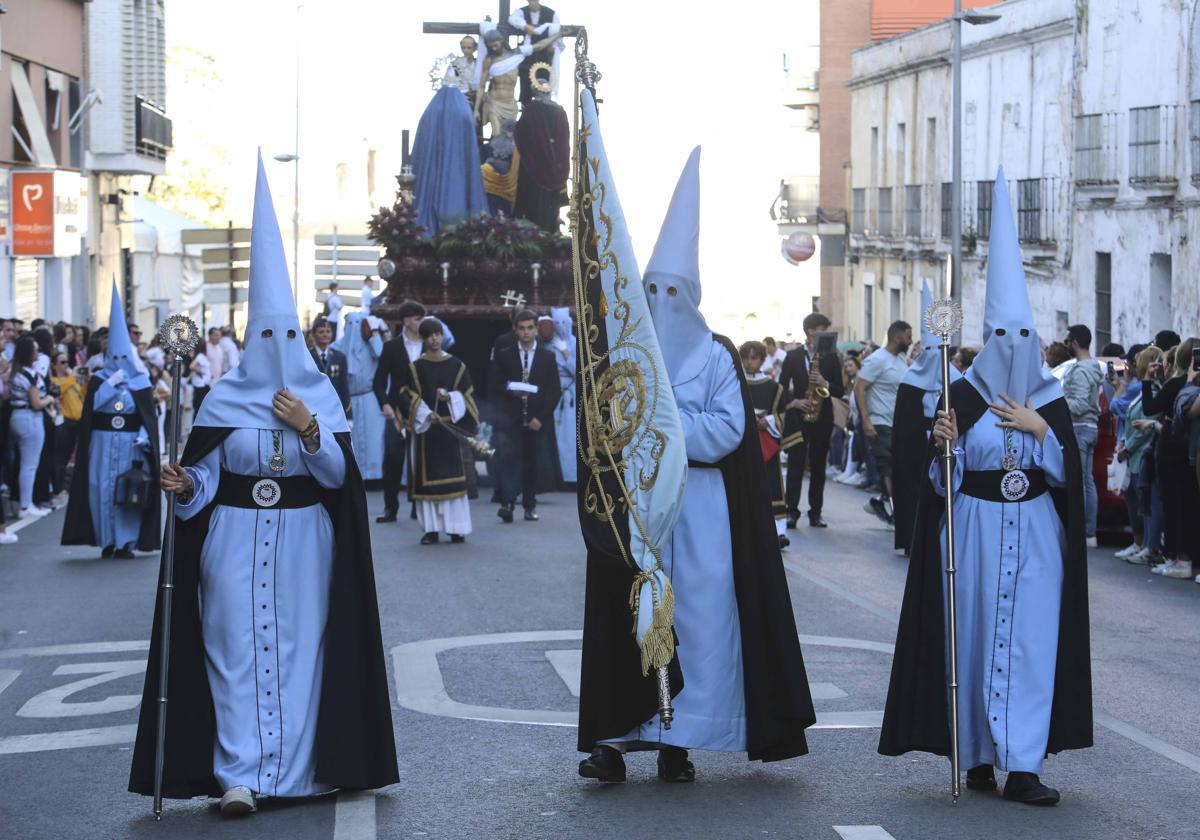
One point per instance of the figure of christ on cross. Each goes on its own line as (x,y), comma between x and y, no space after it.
(506,27)
(497,86)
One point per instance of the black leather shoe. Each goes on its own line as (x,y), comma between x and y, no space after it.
(430,538)
(389,516)
(982,777)
(673,765)
(604,765)
(505,513)
(457,538)
(531,516)
(123,554)
(784,542)
(791,522)
(815,521)
(1028,788)
(107,552)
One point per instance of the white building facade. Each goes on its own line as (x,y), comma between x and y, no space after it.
(1092,109)
(1137,170)
(1017,114)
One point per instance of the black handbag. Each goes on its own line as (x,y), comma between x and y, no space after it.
(132,489)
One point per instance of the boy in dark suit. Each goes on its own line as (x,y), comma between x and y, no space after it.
(524,391)
(329,361)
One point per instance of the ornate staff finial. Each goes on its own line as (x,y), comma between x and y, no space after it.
(586,72)
(943,318)
(179,334)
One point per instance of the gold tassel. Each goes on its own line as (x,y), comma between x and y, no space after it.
(658,645)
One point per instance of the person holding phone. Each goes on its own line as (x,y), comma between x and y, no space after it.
(70,400)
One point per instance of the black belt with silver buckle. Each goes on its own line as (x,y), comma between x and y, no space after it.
(103,422)
(256,491)
(1004,485)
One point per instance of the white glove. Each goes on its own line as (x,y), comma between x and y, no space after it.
(116,378)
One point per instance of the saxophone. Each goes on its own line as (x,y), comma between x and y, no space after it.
(814,394)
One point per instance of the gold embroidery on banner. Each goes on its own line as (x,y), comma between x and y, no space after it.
(616,398)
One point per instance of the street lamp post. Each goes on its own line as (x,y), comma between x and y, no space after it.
(295,219)
(956,22)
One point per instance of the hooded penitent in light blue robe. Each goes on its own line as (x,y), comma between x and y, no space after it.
(710,712)
(1009,555)
(362,358)
(449,185)
(926,372)
(565,427)
(113,453)
(265,573)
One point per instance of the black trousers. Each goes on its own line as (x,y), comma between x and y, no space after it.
(516,471)
(394,447)
(65,437)
(814,452)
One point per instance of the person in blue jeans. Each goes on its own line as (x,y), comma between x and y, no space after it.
(1081,386)
(27,425)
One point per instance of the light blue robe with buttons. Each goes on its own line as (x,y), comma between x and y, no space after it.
(1009,558)
(264,601)
(110,454)
(710,712)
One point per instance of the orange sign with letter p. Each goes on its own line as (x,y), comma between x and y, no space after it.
(32,201)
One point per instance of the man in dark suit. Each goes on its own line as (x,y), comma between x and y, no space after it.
(392,376)
(814,450)
(329,361)
(524,391)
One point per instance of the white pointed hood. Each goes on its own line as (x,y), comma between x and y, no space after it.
(275,355)
(1010,362)
(121,354)
(683,334)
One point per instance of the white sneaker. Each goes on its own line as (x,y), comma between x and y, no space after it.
(8,539)
(33,512)
(237,801)
(1140,558)
(857,480)
(1197,578)
(1132,550)
(1180,570)
(1091,543)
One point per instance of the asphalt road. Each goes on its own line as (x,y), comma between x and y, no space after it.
(483,649)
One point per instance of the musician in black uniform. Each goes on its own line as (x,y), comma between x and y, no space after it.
(524,390)
(769,401)
(814,451)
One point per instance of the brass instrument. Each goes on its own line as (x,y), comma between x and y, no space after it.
(815,395)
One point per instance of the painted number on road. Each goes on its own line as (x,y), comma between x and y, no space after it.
(52,702)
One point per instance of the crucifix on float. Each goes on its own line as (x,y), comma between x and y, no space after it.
(546,15)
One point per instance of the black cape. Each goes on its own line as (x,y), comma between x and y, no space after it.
(355,746)
(77,527)
(916,716)
(615,697)
(910,449)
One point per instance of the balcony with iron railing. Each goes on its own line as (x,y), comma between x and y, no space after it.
(884,211)
(798,200)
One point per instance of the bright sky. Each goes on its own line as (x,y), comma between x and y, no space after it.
(672,80)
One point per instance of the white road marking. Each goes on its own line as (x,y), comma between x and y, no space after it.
(1145,739)
(7,678)
(81,649)
(354,815)
(52,702)
(862,832)
(73,739)
(420,687)
(569,665)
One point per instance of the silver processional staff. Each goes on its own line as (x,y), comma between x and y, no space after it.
(944,318)
(178,335)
